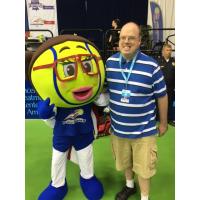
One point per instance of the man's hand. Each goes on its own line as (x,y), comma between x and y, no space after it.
(162,129)
(162,107)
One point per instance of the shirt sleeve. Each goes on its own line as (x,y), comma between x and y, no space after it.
(159,86)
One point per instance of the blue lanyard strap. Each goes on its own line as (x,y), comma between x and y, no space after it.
(126,78)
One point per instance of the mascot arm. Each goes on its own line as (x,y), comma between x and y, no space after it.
(51,121)
(94,120)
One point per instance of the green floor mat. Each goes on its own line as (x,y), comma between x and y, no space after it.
(38,165)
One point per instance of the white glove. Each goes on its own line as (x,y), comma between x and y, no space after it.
(102,100)
(51,121)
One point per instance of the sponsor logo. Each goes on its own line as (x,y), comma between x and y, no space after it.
(40,21)
(74,118)
(36,5)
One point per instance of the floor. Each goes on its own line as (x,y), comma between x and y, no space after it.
(38,161)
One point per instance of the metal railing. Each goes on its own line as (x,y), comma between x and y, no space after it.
(40,30)
(31,44)
(100,39)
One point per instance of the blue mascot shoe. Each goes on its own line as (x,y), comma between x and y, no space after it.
(92,188)
(53,193)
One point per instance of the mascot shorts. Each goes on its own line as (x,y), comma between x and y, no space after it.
(63,143)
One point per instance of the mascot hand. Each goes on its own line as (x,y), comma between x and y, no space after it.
(106,110)
(45,110)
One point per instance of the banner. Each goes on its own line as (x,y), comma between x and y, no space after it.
(157,20)
(31,102)
(42,14)
(161,15)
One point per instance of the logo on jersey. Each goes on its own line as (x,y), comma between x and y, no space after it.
(74,118)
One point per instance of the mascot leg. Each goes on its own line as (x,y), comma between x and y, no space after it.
(91,186)
(57,189)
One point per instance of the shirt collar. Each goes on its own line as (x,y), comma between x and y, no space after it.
(124,60)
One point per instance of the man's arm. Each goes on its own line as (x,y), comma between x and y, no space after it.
(162,107)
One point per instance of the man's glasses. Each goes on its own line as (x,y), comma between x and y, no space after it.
(67,68)
(129,38)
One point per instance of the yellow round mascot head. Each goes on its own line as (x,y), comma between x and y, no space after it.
(68,69)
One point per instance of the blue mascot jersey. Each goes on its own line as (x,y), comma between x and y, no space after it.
(73,121)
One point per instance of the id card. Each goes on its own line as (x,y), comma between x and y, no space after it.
(124,100)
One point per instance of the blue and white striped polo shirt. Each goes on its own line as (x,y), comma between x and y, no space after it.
(138,117)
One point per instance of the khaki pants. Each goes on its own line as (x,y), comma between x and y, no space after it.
(139,154)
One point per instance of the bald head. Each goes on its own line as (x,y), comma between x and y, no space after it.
(131,26)
(130,40)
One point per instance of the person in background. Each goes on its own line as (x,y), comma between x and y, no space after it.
(135,81)
(167,65)
(114,35)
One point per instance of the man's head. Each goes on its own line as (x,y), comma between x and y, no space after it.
(166,51)
(130,39)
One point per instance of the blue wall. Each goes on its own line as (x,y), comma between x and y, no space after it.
(99,14)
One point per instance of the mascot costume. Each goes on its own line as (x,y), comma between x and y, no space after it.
(68,74)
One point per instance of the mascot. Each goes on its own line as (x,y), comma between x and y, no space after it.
(68,74)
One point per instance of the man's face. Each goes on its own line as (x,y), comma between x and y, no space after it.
(129,40)
(166,52)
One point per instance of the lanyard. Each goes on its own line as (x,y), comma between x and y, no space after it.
(126,78)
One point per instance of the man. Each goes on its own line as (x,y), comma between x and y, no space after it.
(135,82)
(167,65)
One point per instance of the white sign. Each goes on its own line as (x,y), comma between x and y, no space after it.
(42,14)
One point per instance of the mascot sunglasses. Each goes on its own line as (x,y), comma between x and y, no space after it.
(67,68)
